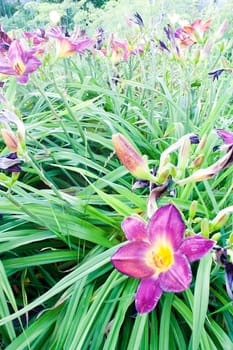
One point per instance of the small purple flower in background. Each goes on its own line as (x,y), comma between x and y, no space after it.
(99,39)
(159,255)
(171,37)
(18,62)
(5,40)
(38,36)
(137,19)
(10,163)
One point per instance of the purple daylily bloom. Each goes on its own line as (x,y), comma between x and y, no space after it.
(67,45)
(18,62)
(159,254)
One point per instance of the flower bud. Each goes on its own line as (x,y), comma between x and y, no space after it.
(10,139)
(130,158)
(216,237)
(231,238)
(221,30)
(193,209)
(184,156)
(201,144)
(163,175)
(221,218)
(205,227)
(212,170)
(198,161)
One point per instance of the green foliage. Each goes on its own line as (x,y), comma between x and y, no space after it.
(61,219)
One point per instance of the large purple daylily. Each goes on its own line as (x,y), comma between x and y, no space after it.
(159,254)
(18,62)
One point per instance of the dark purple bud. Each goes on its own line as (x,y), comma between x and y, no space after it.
(163,46)
(138,19)
(216,74)
(194,139)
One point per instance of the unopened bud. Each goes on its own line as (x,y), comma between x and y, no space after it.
(221,30)
(198,161)
(212,170)
(163,175)
(193,209)
(10,139)
(221,218)
(131,159)
(205,227)
(216,237)
(201,144)
(184,156)
(231,238)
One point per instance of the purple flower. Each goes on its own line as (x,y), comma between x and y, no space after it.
(5,40)
(10,163)
(18,62)
(67,45)
(38,36)
(159,254)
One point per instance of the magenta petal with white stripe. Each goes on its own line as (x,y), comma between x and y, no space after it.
(148,295)
(134,229)
(178,277)
(131,260)
(167,224)
(195,247)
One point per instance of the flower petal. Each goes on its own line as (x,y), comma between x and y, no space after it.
(226,136)
(178,277)
(167,224)
(134,229)
(195,247)
(131,260)
(148,295)
(229,279)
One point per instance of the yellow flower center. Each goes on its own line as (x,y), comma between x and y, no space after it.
(161,257)
(19,67)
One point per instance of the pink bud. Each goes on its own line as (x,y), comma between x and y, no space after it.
(130,158)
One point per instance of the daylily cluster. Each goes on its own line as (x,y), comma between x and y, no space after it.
(159,255)
(188,35)
(138,165)
(18,57)
(158,252)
